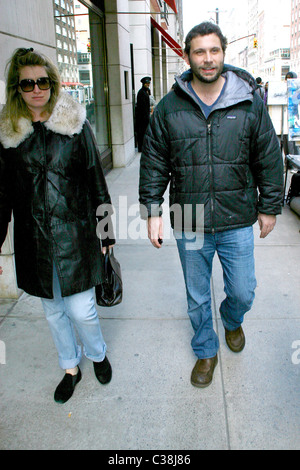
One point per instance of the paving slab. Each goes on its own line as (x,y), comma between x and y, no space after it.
(261,387)
(149,404)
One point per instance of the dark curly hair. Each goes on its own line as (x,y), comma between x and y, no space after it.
(203,29)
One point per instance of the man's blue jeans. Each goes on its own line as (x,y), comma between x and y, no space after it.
(79,311)
(235,249)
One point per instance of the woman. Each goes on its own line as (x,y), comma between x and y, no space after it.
(52,180)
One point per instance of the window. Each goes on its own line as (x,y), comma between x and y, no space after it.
(126,84)
(84,76)
(75,64)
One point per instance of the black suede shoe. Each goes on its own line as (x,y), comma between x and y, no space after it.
(103,371)
(66,387)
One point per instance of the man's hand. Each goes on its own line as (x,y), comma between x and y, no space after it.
(266,224)
(155,231)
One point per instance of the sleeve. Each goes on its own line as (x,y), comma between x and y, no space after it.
(155,166)
(267,163)
(98,188)
(5,205)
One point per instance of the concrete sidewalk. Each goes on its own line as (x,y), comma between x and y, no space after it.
(253,402)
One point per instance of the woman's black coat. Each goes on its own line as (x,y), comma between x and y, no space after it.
(52,180)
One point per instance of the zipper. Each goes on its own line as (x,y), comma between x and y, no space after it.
(212,200)
(46,200)
(47,218)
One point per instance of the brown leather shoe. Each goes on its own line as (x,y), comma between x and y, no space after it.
(203,371)
(235,339)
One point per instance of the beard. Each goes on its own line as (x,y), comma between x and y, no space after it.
(212,77)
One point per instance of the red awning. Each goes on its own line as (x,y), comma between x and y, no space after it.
(172,4)
(72,84)
(168,39)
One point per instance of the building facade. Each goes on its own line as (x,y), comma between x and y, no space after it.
(260,38)
(66,49)
(295,36)
(102,49)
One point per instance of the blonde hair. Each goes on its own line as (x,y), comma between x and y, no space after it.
(15,106)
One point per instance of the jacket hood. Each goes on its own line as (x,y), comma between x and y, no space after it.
(67,118)
(240,85)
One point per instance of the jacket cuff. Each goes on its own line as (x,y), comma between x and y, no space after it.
(151,210)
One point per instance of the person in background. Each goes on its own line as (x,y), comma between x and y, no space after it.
(143,111)
(52,180)
(290,147)
(212,139)
(290,74)
(266,93)
(260,88)
(152,102)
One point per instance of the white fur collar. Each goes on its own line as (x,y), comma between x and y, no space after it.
(67,118)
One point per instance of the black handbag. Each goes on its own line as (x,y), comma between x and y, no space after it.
(110,291)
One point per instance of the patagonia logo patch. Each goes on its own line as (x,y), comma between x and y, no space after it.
(231,117)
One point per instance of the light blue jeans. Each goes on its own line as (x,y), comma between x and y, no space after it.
(235,249)
(65,313)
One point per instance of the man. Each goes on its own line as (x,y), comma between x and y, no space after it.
(212,139)
(143,111)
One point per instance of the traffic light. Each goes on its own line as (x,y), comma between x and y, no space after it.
(255,43)
(89,47)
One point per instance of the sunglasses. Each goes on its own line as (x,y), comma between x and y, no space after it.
(28,84)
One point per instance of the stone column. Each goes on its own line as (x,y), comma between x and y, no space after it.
(27,23)
(119,79)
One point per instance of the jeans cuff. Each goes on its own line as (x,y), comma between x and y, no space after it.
(98,358)
(71,363)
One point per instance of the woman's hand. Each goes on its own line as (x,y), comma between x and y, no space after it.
(107,247)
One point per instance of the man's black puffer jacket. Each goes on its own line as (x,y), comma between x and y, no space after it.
(230,163)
